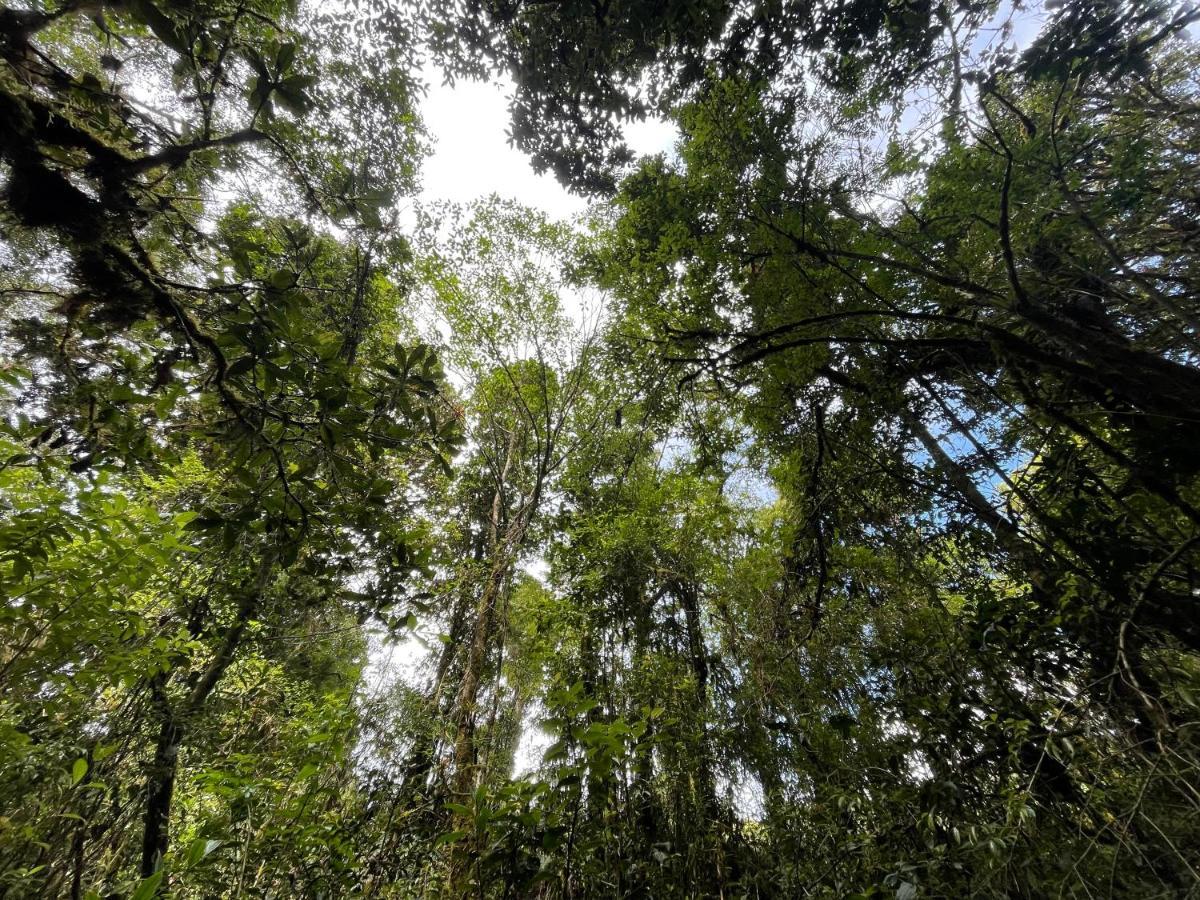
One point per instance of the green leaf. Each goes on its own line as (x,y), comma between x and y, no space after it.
(283,59)
(204,523)
(449,837)
(369,216)
(241,366)
(299,83)
(148,886)
(200,848)
(78,770)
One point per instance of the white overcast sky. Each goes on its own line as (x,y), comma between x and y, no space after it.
(472,157)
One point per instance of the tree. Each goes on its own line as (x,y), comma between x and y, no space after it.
(209,392)
(582,68)
(818,517)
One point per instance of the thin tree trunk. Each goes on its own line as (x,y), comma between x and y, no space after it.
(173,729)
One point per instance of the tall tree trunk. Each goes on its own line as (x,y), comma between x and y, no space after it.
(161,783)
(468,692)
(174,722)
(703,781)
(503,546)
(689,599)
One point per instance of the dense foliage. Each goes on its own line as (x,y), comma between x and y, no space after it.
(818,517)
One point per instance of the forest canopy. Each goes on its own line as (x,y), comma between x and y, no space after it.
(817,515)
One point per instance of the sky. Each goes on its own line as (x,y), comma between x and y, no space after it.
(472,157)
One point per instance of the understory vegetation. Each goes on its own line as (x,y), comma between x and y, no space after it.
(817,516)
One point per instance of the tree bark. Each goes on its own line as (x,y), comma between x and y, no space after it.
(174,723)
